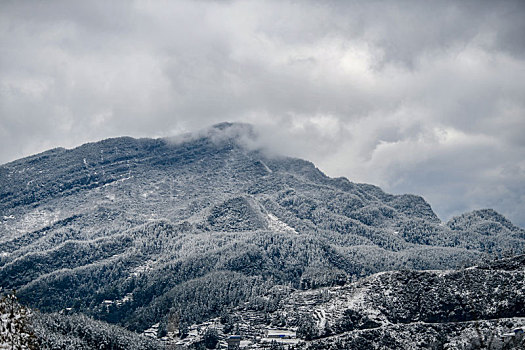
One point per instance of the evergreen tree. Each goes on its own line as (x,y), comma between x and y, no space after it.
(15,330)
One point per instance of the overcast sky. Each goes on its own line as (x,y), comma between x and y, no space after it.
(424,97)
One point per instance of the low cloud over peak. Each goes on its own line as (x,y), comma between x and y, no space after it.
(416,97)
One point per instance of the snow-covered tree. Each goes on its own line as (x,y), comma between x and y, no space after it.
(15,331)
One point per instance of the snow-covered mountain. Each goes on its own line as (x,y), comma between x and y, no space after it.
(127,230)
(478,307)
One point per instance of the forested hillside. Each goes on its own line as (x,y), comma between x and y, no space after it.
(127,230)
(22,328)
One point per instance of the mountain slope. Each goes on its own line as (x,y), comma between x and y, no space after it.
(472,308)
(22,328)
(126,229)
(468,308)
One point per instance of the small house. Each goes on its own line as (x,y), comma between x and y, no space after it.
(279,334)
(515,332)
(234,342)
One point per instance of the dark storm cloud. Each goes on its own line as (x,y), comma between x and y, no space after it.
(415,96)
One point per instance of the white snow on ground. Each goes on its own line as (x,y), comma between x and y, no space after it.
(117,181)
(266,167)
(36,220)
(277,225)
(127,298)
(148,265)
(341,300)
(356,301)
(152,331)
(12,317)
(441,273)
(320,315)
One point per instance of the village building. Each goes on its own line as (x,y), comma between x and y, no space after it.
(234,342)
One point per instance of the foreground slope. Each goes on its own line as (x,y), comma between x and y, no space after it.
(126,230)
(472,308)
(22,328)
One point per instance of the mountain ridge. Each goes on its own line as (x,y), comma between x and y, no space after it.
(239,129)
(125,229)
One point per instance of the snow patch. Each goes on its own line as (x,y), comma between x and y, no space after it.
(266,167)
(36,220)
(320,315)
(147,266)
(357,300)
(275,224)
(118,181)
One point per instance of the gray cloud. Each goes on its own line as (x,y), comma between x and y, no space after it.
(420,97)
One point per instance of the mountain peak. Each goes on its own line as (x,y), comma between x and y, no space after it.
(228,125)
(226,132)
(486,222)
(127,229)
